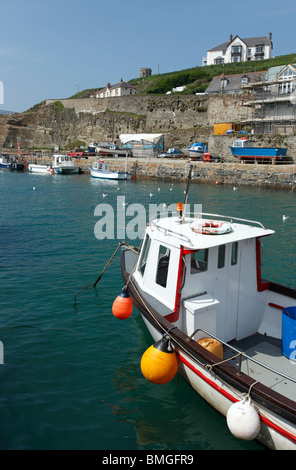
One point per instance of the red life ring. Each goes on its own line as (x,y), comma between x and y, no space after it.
(210,227)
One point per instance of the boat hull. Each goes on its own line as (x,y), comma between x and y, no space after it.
(219,383)
(34,168)
(5,166)
(66,171)
(259,153)
(110,175)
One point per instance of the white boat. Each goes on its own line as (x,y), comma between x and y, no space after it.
(5,162)
(196,150)
(64,164)
(197,283)
(35,168)
(102,170)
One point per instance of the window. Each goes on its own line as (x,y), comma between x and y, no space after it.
(236,49)
(234,253)
(244,80)
(221,256)
(199,261)
(144,255)
(163,265)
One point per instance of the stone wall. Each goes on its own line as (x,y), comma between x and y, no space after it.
(183,119)
(281,176)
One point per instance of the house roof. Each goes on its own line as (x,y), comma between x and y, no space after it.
(250,42)
(234,82)
(116,85)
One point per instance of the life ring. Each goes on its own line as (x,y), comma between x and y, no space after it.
(210,227)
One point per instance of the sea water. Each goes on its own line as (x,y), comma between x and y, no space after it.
(70,375)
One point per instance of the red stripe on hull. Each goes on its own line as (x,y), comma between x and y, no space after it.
(230,397)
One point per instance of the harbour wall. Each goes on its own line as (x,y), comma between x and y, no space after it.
(280,176)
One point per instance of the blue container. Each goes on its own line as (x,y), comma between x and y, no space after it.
(289,332)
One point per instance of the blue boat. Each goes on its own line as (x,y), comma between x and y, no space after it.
(243,148)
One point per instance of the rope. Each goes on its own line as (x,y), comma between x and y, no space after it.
(210,366)
(130,247)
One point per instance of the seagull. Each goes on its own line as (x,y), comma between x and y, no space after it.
(34,188)
(151,194)
(105,195)
(125,203)
(234,188)
(171,189)
(285,217)
(158,189)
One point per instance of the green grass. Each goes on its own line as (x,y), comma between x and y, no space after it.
(197,79)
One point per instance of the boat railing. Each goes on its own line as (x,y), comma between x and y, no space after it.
(231,218)
(242,355)
(200,215)
(168,231)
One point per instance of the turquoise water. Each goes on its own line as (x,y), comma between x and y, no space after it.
(71,376)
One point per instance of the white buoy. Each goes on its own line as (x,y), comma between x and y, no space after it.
(243,420)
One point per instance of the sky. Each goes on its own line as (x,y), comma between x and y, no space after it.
(52,49)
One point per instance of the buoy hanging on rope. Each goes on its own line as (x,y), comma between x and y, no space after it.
(122,307)
(159,362)
(243,420)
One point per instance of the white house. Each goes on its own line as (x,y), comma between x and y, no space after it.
(240,50)
(118,89)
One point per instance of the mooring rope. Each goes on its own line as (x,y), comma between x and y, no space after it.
(122,243)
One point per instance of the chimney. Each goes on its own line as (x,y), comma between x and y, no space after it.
(230,37)
(270,36)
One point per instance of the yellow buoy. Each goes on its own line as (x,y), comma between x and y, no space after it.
(122,306)
(212,345)
(159,362)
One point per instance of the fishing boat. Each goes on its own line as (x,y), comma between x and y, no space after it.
(64,164)
(102,170)
(172,153)
(35,168)
(196,281)
(5,162)
(196,151)
(244,149)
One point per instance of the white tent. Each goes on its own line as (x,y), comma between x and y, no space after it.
(153,138)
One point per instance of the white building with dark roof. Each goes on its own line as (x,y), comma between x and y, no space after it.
(240,50)
(118,89)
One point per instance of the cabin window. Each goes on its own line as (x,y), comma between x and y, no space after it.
(144,255)
(221,256)
(234,252)
(199,261)
(163,265)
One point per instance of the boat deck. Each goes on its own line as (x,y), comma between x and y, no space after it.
(267,351)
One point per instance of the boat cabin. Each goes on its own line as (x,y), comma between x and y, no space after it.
(62,160)
(101,166)
(205,274)
(243,143)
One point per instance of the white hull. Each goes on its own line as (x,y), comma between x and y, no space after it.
(110,175)
(220,396)
(40,168)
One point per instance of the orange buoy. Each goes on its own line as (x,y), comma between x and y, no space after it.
(159,362)
(122,306)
